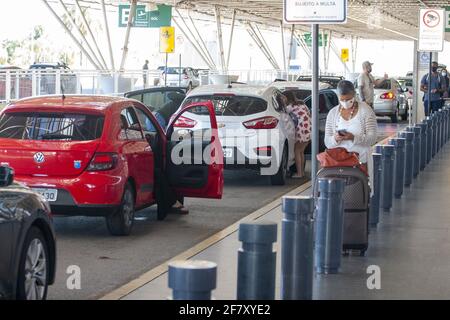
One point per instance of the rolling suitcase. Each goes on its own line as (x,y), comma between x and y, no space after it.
(356,206)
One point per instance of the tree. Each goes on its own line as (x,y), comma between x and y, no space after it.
(11,47)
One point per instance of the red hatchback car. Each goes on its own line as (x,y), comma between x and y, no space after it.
(99,156)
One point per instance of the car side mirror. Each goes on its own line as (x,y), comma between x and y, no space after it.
(6,176)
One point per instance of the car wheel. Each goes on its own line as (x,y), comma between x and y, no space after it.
(279,179)
(33,267)
(394,117)
(120,222)
(405,115)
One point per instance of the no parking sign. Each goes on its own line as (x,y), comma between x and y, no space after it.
(431,35)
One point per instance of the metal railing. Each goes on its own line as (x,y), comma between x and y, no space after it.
(18,84)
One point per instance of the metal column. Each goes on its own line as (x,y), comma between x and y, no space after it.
(108,36)
(315,102)
(220,38)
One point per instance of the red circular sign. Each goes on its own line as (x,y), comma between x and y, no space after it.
(431,18)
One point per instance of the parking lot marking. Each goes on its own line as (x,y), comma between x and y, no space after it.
(156,272)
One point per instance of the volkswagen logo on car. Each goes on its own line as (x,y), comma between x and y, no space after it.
(39,157)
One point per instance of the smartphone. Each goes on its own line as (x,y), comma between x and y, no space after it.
(342,132)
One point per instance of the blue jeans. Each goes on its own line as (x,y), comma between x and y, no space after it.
(435,106)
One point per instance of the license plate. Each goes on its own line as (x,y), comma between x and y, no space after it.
(51,195)
(227,152)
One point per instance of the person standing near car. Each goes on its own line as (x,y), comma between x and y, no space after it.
(437,85)
(144,73)
(298,110)
(367,83)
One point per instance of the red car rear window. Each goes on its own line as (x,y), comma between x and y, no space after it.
(51,126)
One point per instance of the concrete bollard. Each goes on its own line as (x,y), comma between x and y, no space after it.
(388,161)
(329,225)
(429,121)
(443,117)
(297,248)
(417,147)
(439,130)
(446,123)
(423,146)
(192,279)
(409,156)
(374,213)
(434,117)
(399,144)
(256,261)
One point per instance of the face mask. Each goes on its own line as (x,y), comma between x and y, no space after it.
(434,69)
(444,74)
(347,104)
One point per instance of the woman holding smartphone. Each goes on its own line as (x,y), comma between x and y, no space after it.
(352,124)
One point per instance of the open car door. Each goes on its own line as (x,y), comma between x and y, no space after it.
(194,156)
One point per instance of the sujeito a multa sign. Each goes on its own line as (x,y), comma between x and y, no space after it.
(146,19)
(314,12)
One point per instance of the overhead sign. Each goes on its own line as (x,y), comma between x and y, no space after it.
(431,31)
(167,39)
(145,19)
(345,55)
(447,19)
(308,39)
(316,12)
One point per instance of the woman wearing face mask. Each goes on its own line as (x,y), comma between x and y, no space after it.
(351,125)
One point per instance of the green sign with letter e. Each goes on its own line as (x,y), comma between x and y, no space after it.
(146,19)
(447,19)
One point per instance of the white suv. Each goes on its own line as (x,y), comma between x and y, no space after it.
(254,129)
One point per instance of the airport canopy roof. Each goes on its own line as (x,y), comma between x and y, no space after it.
(369,19)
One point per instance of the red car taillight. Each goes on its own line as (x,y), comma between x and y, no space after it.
(184,122)
(387,96)
(264,151)
(103,162)
(262,123)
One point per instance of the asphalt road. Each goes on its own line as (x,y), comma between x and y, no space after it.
(108,262)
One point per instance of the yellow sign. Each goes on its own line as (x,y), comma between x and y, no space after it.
(167,39)
(344,55)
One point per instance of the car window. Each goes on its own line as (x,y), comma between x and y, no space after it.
(300,94)
(156,100)
(323,104)
(51,126)
(228,105)
(385,85)
(147,122)
(130,127)
(332,99)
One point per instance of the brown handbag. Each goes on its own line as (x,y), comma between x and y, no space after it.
(340,157)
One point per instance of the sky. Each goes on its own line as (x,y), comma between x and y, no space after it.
(20,16)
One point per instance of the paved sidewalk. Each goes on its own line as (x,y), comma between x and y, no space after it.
(411,246)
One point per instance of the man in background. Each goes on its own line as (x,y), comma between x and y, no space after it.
(437,87)
(366,83)
(144,73)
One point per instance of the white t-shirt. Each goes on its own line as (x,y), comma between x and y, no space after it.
(354,127)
